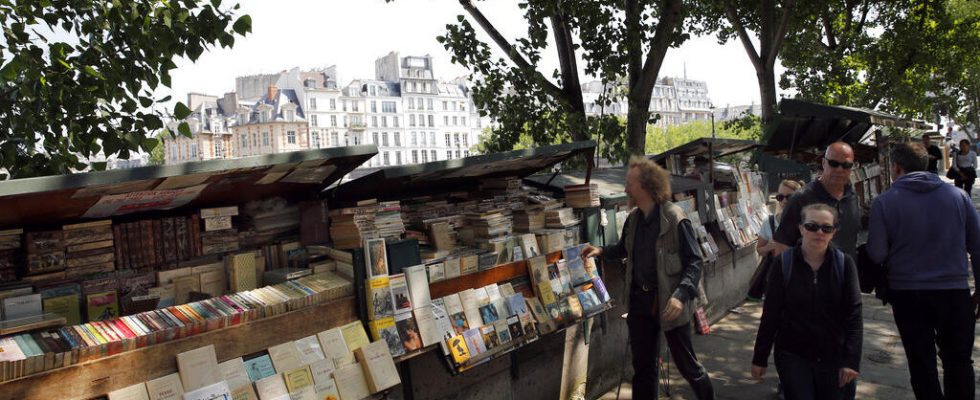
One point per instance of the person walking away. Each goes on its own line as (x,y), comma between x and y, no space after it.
(935,154)
(663,268)
(832,188)
(965,167)
(922,231)
(812,314)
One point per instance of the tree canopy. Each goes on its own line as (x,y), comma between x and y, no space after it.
(78,77)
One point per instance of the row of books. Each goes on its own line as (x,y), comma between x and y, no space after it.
(706,242)
(339,363)
(96,339)
(351,226)
(569,286)
(582,196)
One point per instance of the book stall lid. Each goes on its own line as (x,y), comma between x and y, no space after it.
(456,175)
(67,198)
(702,146)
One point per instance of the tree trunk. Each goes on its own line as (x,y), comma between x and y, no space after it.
(767,92)
(636,123)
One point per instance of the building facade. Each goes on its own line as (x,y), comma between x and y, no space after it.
(276,123)
(210,121)
(676,100)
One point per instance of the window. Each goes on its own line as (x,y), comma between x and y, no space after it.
(384,122)
(398,158)
(445,120)
(433,152)
(374,104)
(428,101)
(432,120)
(462,121)
(291,137)
(219,149)
(415,156)
(265,138)
(426,86)
(415,141)
(334,139)
(357,140)
(448,142)
(414,88)
(411,120)
(457,153)
(344,104)
(396,121)
(386,158)
(465,141)
(425,156)
(255,139)
(374,121)
(398,140)
(312,103)
(466,153)
(290,115)
(333,104)
(194,150)
(456,139)
(449,154)
(455,120)
(345,121)
(375,135)
(454,106)
(445,105)
(242,141)
(373,91)
(333,120)
(411,103)
(388,107)
(432,142)
(353,105)
(384,139)
(316,140)
(313,120)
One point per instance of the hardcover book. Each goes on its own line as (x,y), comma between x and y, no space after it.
(272,388)
(380,304)
(259,366)
(351,382)
(233,372)
(167,387)
(418,285)
(285,357)
(385,330)
(399,293)
(354,335)
(298,378)
(309,350)
(334,348)
(198,368)
(379,367)
(408,332)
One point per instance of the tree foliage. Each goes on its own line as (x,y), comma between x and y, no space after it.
(905,57)
(621,43)
(660,139)
(77,77)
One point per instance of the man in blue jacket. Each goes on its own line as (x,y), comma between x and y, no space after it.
(921,229)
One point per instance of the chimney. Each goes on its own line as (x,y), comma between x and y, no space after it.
(273,92)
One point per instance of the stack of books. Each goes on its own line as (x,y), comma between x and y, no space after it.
(265,220)
(489,224)
(528,220)
(582,196)
(10,243)
(220,234)
(388,220)
(560,218)
(350,227)
(45,254)
(90,248)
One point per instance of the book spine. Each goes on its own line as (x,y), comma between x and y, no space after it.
(167,226)
(182,242)
(118,248)
(195,230)
(132,235)
(146,234)
(157,243)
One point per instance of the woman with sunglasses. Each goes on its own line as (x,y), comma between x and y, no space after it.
(965,167)
(812,313)
(786,189)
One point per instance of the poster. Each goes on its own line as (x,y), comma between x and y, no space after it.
(119,204)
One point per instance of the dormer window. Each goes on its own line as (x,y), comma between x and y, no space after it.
(290,115)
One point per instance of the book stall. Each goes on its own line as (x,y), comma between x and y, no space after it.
(498,265)
(248,279)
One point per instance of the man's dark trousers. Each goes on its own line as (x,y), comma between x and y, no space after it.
(927,318)
(644,329)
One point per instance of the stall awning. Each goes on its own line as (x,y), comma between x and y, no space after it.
(455,175)
(67,198)
(702,146)
(802,126)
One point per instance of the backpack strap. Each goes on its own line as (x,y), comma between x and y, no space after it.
(787,265)
(772,224)
(839,265)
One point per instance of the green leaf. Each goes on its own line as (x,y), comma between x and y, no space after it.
(92,72)
(243,25)
(181,111)
(185,130)
(149,144)
(99,165)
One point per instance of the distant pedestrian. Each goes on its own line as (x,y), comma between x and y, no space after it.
(812,314)
(765,245)
(834,189)
(935,154)
(921,230)
(965,167)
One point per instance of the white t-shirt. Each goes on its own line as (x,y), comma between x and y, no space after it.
(968,160)
(766,231)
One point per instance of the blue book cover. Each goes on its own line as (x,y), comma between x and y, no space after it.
(516,304)
(259,367)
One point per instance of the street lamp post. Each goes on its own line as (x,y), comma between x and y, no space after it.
(712,109)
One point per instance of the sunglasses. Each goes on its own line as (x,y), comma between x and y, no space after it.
(838,164)
(781,197)
(813,227)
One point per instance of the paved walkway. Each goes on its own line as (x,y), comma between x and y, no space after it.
(727,354)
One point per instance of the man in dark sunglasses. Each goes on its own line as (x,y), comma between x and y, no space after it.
(832,188)
(923,230)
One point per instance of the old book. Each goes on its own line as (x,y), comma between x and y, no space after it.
(456,313)
(246,392)
(378,365)
(16,307)
(469,264)
(184,285)
(354,335)
(217,224)
(272,388)
(298,378)
(408,332)
(314,227)
(134,392)
(418,285)
(169,242)
(489,334)
(195,230)
(385,330)
(183,238)
(426,324)
(305,393)
(379,300)
(259,366)
(503,331)
(376,258)
(334,348)
(309,350)
(229,211)
(351,382)
(544,322)
(242,271)
(167,387)
(233,372)
(217,390)
(158,239)
(102,306)
(213,283)
(322,372)
(198,368)
(474,342)
(437,272)
(471,308)
(399,293)
(285,357)
(68,306)
(168,276)
(458,349)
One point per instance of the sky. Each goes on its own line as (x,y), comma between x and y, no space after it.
(352,34)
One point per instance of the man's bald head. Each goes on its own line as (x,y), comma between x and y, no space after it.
(839,151)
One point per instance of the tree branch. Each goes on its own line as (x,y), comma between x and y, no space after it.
(829,30)
(662,38)
(743,35)
(507,48)
(777,43)
(571,86)
(634,51)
